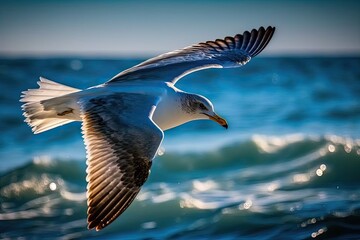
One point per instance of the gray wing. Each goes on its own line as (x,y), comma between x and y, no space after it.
(121,140)
(230,52)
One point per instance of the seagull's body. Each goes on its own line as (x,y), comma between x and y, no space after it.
(124,119)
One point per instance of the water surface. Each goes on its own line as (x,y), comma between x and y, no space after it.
(287,167)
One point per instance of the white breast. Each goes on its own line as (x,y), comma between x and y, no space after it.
(168,113)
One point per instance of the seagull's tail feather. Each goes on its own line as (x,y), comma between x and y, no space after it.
(48,106)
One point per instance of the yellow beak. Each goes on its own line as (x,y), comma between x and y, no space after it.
(219,120)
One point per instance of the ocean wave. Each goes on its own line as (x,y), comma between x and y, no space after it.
(303,182)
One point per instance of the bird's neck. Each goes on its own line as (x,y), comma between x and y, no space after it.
(169,112)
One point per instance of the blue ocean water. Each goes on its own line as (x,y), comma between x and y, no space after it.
(287,167)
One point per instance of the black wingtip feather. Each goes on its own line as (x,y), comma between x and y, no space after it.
(265,40)
(230,42)
(246,39)
(253,37)
(238,41)
(260,34)
(253,42)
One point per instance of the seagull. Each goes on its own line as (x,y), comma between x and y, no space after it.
(124,119)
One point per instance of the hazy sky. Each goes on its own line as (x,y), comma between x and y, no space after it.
(117,28)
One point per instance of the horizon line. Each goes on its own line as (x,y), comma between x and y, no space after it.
(150,55)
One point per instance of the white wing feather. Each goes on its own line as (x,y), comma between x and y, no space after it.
(121,140)
(229,52)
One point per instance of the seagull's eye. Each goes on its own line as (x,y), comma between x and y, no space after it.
(202,106)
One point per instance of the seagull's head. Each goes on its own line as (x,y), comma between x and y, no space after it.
(201,108)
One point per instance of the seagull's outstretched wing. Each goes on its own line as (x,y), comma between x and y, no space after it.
(222,53)
(121,140)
